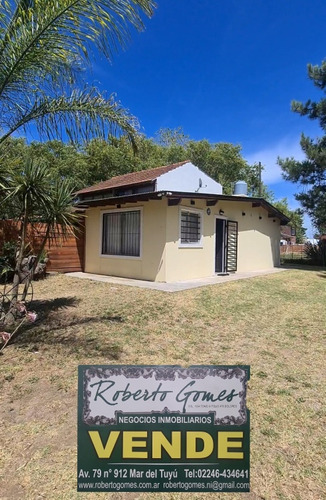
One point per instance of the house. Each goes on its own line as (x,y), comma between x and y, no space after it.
(288,235)
(173,223)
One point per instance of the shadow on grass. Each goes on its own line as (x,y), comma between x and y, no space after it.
(72,345)
(56,315)
(45,307)
(305,267)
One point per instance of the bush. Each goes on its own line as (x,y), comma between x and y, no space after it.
(316,253)
(7,261)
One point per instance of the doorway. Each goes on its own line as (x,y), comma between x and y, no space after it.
(220,245)
(226,246)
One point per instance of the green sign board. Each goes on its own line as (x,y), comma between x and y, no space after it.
(163,428)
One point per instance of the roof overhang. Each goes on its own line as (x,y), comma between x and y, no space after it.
(175,197)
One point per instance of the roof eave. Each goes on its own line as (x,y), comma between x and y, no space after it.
(156,195)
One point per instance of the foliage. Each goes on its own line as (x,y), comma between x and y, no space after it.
(172,137)
(101,159)
(7,261)
(295,216)
(44,45)
(221,161)
(316,253)
(36,198)
(311,172)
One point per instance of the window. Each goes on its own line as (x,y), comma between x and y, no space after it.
(121,233)
(190,228)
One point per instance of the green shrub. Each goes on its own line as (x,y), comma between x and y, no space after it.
(7,261)
(316,253)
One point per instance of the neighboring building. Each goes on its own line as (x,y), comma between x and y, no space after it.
(173,223)
(288,235)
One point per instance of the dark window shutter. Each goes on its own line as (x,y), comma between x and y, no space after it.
(232,246)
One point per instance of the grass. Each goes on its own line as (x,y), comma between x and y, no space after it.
(273,323)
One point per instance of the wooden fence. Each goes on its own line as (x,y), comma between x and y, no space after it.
(65,255)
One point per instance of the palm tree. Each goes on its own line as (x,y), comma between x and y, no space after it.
(57,214)
(37,199)
(43,47)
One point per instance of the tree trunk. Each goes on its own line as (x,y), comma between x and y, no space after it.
(29,277)
(11,316)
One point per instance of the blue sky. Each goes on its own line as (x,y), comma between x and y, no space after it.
(224,71)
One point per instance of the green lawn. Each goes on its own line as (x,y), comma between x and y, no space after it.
(275,323)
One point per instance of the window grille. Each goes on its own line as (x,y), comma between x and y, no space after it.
(190,227)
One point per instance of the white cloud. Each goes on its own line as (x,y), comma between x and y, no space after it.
(272,173)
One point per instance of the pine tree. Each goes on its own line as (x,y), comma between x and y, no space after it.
(311,172)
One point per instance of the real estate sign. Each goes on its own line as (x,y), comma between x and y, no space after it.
(163,428)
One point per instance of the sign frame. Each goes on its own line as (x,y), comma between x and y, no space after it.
(163,428)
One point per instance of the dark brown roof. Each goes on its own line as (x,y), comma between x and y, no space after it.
(132,178)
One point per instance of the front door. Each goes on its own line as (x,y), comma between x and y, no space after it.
(220,240)
(226,246)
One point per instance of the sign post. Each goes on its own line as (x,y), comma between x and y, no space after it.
(163,428)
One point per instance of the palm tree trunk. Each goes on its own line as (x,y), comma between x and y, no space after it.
(19,260)
(12,313)
(35,263)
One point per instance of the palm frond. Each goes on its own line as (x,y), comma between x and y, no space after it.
(29,183)
(43,45)
(44,35)
(82,115)
(59,213)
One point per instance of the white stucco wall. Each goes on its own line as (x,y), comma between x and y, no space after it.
(188,179)
(258,240)
(150,265)
(164,259)
(258,237)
